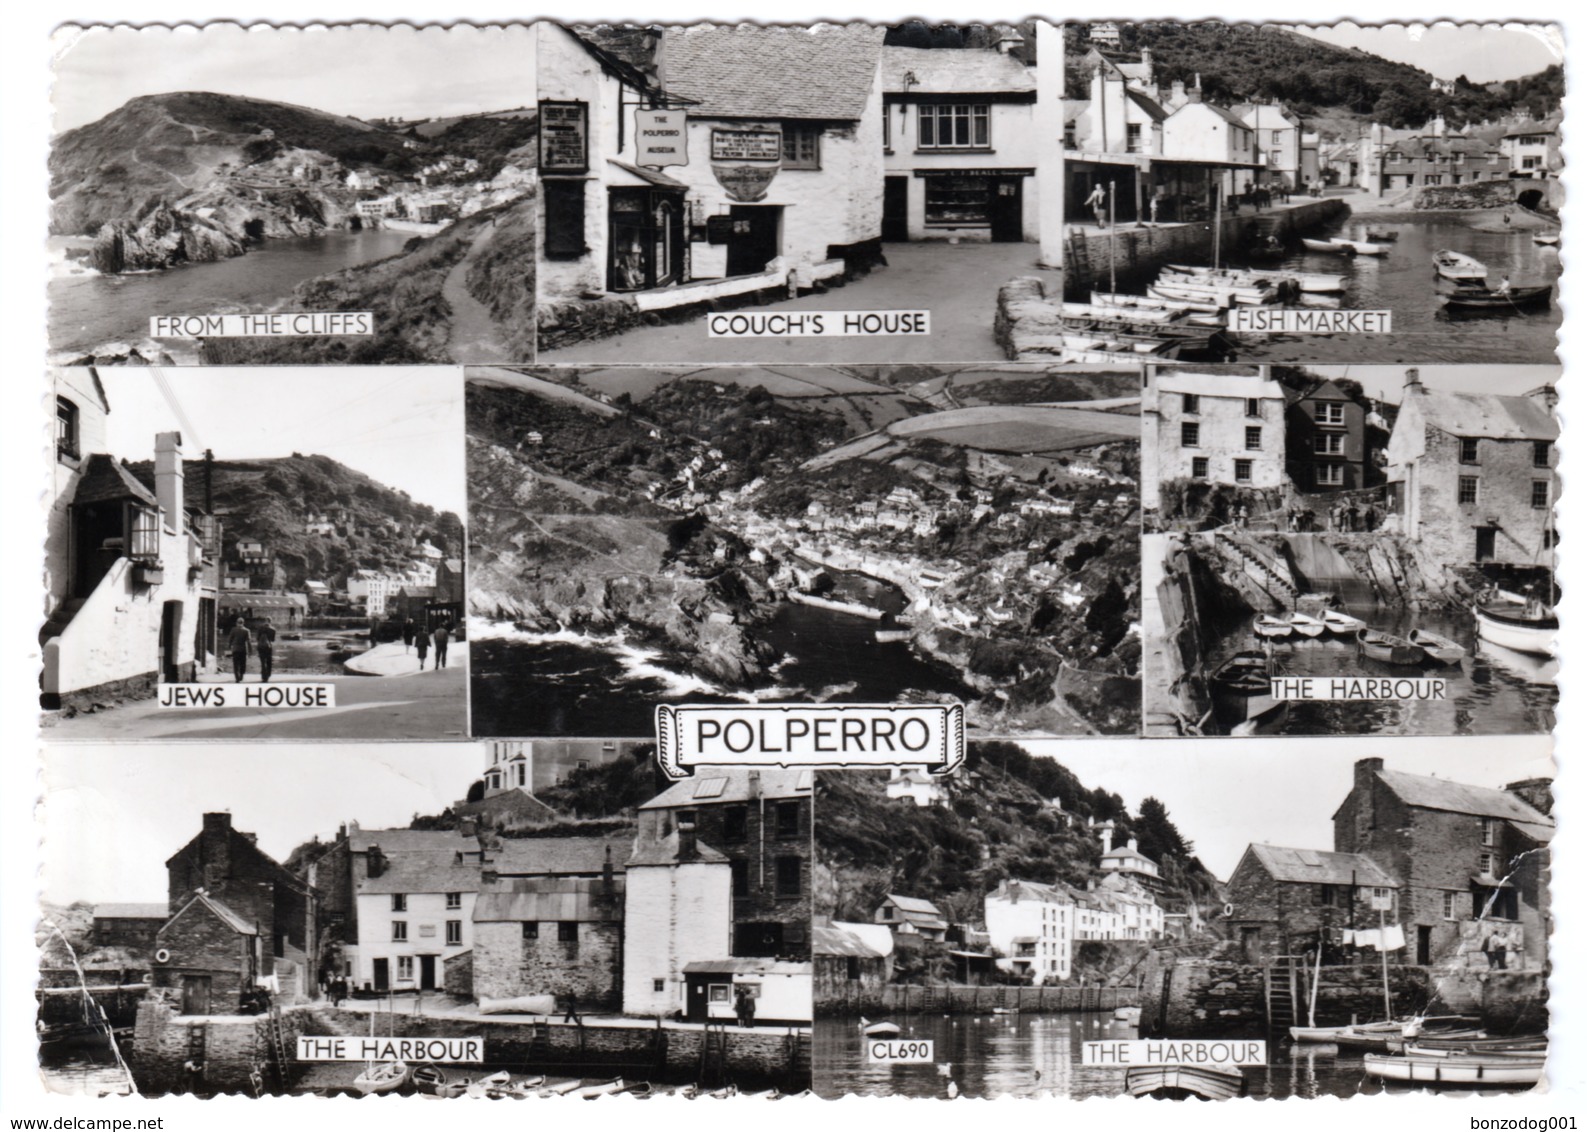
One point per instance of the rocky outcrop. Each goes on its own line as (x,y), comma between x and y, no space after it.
(164,238)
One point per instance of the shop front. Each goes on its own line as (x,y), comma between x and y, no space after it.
(989,200)
(647,244)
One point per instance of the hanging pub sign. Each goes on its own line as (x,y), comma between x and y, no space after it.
(746,145)
(564,137)
(661,137)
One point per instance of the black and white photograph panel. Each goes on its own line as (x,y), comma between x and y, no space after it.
(255,554)
(357,194)
(1379,924)
(1350,550)
(457,920)
(860,191)
(1309,179)
(837,534)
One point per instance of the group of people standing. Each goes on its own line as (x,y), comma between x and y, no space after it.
(416,637)
(1346,516)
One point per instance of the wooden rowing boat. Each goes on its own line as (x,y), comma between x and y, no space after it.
(1456,1069)
(1272,628)
(385,1077)
(1438,648)
(1342,623)
(1183,1081)
(1310,282)
(1363,247)
(1241,688)
(1307,625)
(1387,648)
(1327,247)
(1485,298)
(1459,267)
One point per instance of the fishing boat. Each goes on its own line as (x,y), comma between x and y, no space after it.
(1438,648)
(1363,247)
(1342,623)
(1443,1045)
(1272,628)
(1180,1082)
(1386,648)
(385,1077)
(1327,247)
(1331,1035)
(1387,1042)
(1486,298)
(1456,1069)
(1515,626)
(1459,268)
(1307,625)
(1312,282)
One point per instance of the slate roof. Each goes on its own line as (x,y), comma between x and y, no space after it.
(409,840)
(1016,890)
(953,71)
(558,856)
(1319,866)
(1459,798)
(745,967)
(664,851)
(914,904)
(1148,104)
(711,785)
(1218,385)
(131,911)
(575,899)
(1488,414)
(231,919)
(106,478)
(424,872)
(825,71)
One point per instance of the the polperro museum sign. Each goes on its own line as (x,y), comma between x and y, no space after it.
(661,137)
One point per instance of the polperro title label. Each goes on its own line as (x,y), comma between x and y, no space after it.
(304,324)
(1260,320)
(247,696)
(820,324)
(825,735)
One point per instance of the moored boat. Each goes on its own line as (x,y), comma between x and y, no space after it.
(1485,298)
(1182,1081)
(1514,626)
(880,1029)
(1342,623)
(605,1088)
(1456,1069)
(1327,247)
(1546,239)
(1363,247)
(1382,235)
(429,1079)
(1459,267)
(1272,628)
(385,1077)
(1307,625)
(1442,1045)
(1437,647)
(1241,688)
(1386,648)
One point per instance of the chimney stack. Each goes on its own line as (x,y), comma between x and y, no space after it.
(1413,381)
(377,862)
(688,846)
(168,478)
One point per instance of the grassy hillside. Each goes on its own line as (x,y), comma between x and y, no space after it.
(1246,62)
(162,147)
(999,824)
(270,500)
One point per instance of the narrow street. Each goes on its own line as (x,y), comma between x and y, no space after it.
(957,283)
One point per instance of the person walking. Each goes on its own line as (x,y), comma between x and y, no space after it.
(571,1014)
(422,641)
(408,633)
(443,636)
(265,640)
(1098,203)
(239,643)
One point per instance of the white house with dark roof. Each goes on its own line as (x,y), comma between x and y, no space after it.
(1222,427)
(961,142)
(1472,475)
(1276,134)
(1216,138)
(912,916)
(414,892)
(1033,927)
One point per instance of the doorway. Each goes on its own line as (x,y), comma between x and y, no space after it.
(1424,945)
(1007,210)
(1487,539)
(895,210)
(382,974)
(426,972)
(1250,944)
(756,238)
(195,994)
(170,634)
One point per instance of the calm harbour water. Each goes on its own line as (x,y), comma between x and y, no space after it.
(1403,282)
(1027,1055)
(88,312)
(1493,691)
